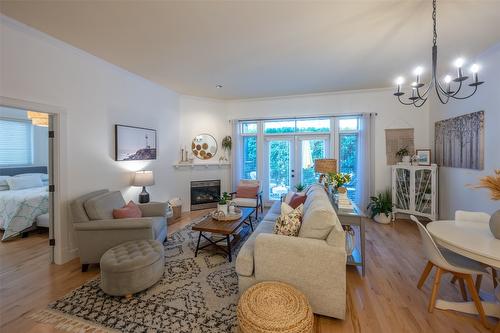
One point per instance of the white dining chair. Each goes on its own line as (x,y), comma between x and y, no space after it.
(462,215)
(447,261)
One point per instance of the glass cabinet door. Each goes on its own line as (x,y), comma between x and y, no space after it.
(402,188)
(423,191)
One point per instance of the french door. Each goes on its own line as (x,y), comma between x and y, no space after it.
(289,161)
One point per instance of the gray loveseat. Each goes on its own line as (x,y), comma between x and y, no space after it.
(314,262)
(96,231)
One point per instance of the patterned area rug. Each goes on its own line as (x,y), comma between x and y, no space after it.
(195,295)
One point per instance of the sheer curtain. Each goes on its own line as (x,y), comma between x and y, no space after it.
(365,169)
(236,158)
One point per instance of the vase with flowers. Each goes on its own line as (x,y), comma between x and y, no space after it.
(492,183)
(338,180)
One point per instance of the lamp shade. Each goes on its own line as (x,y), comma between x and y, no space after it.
(144,178)
(325,165)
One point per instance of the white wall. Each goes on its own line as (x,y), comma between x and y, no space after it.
(94,95)
(454,194)
(202,115)
(391,114)
(40,136)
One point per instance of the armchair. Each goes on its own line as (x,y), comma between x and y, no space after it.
(249,194)
(96,231)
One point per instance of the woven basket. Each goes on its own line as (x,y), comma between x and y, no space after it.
(274,307)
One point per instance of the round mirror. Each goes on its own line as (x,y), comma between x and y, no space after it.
(204,146)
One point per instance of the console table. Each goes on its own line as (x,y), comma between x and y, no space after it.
(354,218)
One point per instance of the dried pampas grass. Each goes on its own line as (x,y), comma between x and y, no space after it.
(492,183)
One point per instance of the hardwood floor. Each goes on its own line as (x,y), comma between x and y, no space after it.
(386,300)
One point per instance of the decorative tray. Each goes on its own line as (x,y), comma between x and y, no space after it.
(221,216)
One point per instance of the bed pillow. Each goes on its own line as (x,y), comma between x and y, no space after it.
(20,183)
(43,176)
(3,183)
(130,210)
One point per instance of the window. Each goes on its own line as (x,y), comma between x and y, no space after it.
(15,142)
(313,125)
(350,124)
(321,125)
(348,152)
(249,157)
(249,128)
(278,127)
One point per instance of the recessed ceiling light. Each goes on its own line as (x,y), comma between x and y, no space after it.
(218,86)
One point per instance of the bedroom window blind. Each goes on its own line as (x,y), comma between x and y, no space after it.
(15,142)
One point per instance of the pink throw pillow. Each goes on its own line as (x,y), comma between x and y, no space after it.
(297,200)
(130,210)
(247,191)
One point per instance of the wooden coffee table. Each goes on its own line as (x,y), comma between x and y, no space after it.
(223,228)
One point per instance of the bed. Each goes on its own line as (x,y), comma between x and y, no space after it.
(19,209)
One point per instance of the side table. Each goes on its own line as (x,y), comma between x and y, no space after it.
(353,217)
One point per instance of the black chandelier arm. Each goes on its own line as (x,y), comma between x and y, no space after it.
(465,97)
(421,104)
(424,95)
(405,103)
(438,93)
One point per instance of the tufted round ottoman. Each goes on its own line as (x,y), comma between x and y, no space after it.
(274,307)
(132,267)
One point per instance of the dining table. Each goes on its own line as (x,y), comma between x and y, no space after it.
(474,240)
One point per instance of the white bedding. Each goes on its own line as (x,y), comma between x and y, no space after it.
(19,209)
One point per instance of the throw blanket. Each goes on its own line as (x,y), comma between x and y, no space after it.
(19,209)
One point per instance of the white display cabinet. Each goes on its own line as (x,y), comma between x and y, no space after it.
(415,190)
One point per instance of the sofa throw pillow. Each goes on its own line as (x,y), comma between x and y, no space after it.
(247,191)
(20,183)
(289,196)
(289,221)
(130,210)
(297,200)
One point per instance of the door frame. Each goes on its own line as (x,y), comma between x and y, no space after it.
(295,155)
(266,166)
(55,168)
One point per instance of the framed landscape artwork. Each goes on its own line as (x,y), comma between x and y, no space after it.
(423,156)
(459,141)
(134,143)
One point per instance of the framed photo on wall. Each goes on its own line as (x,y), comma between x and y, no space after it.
(423,156)
(134,143)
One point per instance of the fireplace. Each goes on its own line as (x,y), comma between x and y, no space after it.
(204,194)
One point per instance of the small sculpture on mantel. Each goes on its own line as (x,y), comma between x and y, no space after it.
(184,155)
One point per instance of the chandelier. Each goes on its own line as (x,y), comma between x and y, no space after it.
(448,89)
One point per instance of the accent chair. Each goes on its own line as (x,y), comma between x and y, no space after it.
(246,197)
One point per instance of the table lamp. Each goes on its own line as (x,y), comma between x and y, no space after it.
(324,166)
(144,178)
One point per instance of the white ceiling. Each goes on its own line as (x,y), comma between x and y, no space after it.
(264,48)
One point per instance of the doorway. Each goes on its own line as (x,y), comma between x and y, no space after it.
(289,161)
(28,152)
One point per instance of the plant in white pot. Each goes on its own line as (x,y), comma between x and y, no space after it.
(223,202)
(381,207)
(404,155)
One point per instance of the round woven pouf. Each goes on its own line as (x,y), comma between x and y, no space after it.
(274,307)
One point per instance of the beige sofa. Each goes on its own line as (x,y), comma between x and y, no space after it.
(314,262)
(96,231)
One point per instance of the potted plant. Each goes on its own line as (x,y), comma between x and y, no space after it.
(226,144)
(223,202)
(404,155)
(381,207)
(300,187)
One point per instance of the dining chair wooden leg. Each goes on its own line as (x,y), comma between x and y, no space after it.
(479,278)
(435,288)
(425,274)
(463,291)
(494,275)
(476,299)
(497,329)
